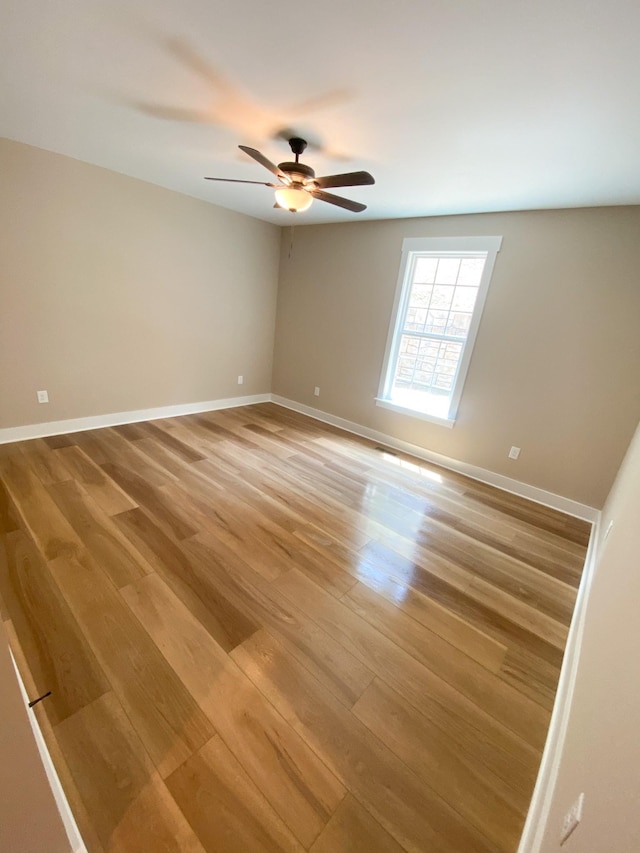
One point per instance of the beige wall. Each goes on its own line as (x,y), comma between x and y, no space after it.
(556,366)
(118,295)
(601,755)
(29,818)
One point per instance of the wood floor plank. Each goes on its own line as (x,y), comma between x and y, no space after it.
(268,548)
(37,512)
(521,614)
(165,715)
(107,495)
(276,482)
(446,489)
(266,440)
(132,432)
(397,556)
(467,515)
(441,657)
(153,499)
(378,561)
(56,441)
(451,768)
(532,675)
(331,565)
(115,554)
(299,787)
(9,520)
(480,564)
(224,807)
(259,532)
(163,456)
(110,447)
(44,462)
(353,829)
(130,806)
(58,657)
(479,646)
(196,435)
(392,663)
(409,810)
(237,532)
(89,442)
(341,673)
(164,437)
(495,746)
(434,580)
(574,530)
(190,581)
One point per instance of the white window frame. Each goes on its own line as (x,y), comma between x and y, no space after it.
(413,247)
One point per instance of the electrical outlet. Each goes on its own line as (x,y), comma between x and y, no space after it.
(572,819)
(240,380)
(514,453)
(316,391)
(43,397)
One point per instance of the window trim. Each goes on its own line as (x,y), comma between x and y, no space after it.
(412,246)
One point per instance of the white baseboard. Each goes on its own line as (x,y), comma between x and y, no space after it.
(524,490)
(538,815)
(21,433)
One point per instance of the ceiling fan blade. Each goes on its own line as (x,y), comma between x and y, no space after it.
(264,162)
(349,179)
(353,206)
(236,181)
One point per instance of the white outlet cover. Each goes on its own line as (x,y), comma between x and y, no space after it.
(240,380)
(316,391)
(514,453)
(43,397)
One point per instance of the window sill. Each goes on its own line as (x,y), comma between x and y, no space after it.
(413,413)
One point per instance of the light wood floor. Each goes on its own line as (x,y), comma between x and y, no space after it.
(262,633)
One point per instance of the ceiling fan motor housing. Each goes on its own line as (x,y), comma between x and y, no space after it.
(297,171)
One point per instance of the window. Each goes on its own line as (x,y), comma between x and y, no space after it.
(442,287)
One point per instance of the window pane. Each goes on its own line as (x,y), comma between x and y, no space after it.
(429,348)
(436,322)
(442,382)
(458,325)
(464,299)
(471,271)
(447,272)
(442,296)
(427,365)
(416,318)
(420,295)
(425,270)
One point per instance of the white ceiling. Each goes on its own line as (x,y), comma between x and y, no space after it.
(455,106)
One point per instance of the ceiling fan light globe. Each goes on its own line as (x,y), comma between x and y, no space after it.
(293,199)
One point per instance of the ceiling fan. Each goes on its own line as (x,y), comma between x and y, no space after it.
(298,183)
